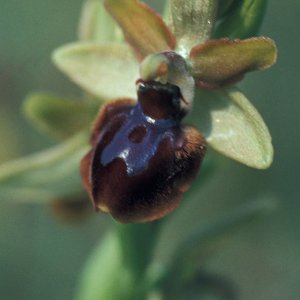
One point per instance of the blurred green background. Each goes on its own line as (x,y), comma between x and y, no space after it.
(41,258)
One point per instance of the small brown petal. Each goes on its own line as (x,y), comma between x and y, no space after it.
(222,62)
(72,209)
(143,28)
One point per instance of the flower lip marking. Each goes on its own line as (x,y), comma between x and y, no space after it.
(149,131)
(137,134)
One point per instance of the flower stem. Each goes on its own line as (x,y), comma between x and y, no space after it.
(137,242)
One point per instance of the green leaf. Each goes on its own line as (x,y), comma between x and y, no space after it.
(224,6)
(44,176)
(143,28)
(224,225)
(233,127)
(106,71)
(96,24)
(104,276)
(243,21)
(198,244)
(201,285)
(219,62)
(59,117)
(192,22)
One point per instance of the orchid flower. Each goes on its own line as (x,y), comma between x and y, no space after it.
(197,49)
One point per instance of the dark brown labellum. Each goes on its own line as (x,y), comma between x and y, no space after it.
(142,157)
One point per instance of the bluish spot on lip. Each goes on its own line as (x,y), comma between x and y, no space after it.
(137,155)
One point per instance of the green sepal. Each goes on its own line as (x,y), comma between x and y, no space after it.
(166,11)
(45,176)
(59,117)
(233,127)
(106,71)
(96,24)
(192,22)
(243,21)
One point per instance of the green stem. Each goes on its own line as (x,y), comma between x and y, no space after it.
(137,242)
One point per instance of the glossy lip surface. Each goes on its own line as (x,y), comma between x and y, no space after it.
(137,155)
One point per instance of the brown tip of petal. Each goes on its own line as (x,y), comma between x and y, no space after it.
(217,63)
